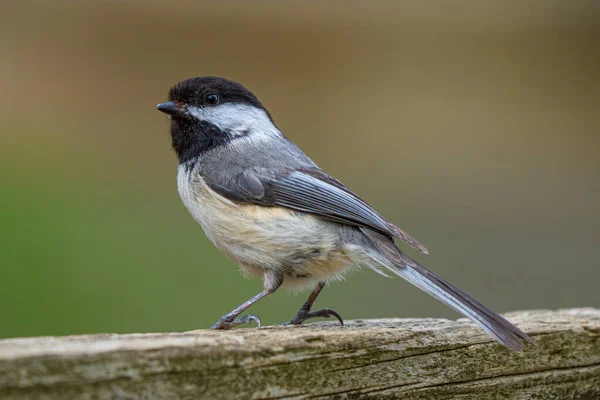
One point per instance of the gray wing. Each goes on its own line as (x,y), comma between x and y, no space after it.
(311,191)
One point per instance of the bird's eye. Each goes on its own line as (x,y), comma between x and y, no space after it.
(212,99)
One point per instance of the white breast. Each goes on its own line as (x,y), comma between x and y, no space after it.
(305,248)
(206,206)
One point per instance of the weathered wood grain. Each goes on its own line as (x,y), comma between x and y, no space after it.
(407,358)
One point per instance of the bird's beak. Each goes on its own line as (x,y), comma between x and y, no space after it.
(169,108)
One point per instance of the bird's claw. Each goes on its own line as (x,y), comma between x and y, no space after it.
(323,313)
(226,322)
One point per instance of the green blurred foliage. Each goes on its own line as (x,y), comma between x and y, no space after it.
(474,127)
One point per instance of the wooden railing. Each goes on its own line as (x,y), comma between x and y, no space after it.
(387,358)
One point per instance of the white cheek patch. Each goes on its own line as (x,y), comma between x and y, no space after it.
(237,119)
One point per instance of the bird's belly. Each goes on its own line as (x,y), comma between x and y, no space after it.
(305,249)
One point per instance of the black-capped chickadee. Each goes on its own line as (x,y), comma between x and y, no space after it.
(276,214)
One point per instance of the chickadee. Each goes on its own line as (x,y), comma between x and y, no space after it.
(277,215)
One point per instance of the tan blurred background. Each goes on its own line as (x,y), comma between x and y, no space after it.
(473,125)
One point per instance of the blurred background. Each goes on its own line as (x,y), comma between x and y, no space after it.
(475,126)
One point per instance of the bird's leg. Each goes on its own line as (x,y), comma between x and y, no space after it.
(271,282)
(229,320)
(304,312)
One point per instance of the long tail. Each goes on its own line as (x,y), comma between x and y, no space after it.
(428,281)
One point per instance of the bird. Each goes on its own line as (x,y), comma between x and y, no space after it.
(270,209)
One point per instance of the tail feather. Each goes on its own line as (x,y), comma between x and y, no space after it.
(494,324)
(402,265)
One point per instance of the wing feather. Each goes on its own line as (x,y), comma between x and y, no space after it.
(314,192)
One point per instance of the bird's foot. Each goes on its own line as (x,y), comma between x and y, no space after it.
(227,322)
(303,315)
